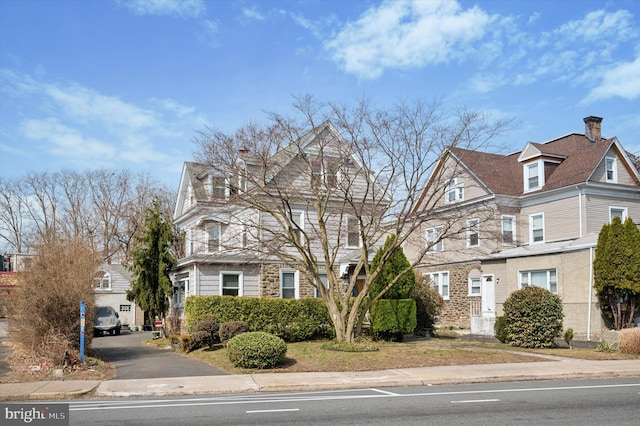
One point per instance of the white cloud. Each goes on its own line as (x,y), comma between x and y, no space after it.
(407,34)
(210,33)
(597,26)
(621,80)
(253,14)
(182,8)
(65,141)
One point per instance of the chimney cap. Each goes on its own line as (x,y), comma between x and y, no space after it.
(592,118)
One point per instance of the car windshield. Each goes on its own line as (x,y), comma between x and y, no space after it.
(103,311)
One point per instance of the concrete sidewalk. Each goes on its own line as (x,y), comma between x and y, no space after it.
(551,368)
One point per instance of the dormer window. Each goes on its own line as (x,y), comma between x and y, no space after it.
(611,165)
(533,176)
(455,191)
(102,281)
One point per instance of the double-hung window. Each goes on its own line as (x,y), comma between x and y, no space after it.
(289,284)
(440,281)
(455,191)
(231,283)
(475,288)
(102,281)
(533,176)
(536,228)
(297,224)
(353,232)
(214,237)
(545,278)
(434,239)
(473,232)
(611,169)
(508,229)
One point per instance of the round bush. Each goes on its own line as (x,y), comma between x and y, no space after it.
(256,349)
(533,318)
(205,332)
(500,328)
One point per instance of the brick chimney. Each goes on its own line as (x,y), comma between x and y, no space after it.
(592,128)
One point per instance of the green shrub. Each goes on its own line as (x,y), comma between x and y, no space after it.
(568,337)
(291,320)
(392,268)
(533,318)
(392,318)
(228,330)
(607,346)
(500,328)
(256,350)
(206,332)
(429,304)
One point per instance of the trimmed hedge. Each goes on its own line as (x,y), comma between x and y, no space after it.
(290,319)
(205,332)
(392,318)
(533,317)
(256,350)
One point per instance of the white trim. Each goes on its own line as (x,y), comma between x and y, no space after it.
(614,169)
(296,282)
(625,212)
(240,281)
(470,223)
(457,189)
(479,293)
(439,245)
(548,272)
(513,229)
(439,282)
(525,173)
(531,240)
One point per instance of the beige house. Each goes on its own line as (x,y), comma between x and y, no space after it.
(528,218)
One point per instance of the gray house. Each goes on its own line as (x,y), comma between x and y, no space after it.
(111,283)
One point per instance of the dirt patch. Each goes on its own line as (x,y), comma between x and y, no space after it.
(24,367)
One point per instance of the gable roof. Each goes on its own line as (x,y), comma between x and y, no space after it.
(578,158)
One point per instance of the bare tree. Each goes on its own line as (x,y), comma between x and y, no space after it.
(356,177)
(11,215)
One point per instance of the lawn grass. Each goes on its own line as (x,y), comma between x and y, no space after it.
(311,356)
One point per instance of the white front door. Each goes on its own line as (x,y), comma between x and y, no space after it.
(488,296)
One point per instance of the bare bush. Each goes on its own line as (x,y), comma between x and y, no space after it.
(45,313)
(629,341)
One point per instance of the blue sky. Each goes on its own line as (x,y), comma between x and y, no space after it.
(127,84)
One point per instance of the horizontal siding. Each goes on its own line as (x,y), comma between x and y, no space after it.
(597,208)
(625,176)
(561,219)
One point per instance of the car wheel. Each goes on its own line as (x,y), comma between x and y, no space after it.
(117,331)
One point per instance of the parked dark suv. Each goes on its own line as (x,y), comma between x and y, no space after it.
(107,320)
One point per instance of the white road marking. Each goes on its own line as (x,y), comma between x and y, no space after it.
(469,401)
(385,392)
(272,411)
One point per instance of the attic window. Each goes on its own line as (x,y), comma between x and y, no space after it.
(533,176)
(611,169)
(102,281)
(455,191)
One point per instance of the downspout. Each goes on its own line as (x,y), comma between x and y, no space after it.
(590,293)
(196,289)
(580,210)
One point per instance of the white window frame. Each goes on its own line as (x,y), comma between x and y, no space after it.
(512,220)
(325,281)
(475,283)
(473,225)
(613,161)
(102,283)
(240,276)
(539,165)
(300,224)
(350,232)
(189,242)
(524,279)
(219,187)
(438,280)
(180,289)
(296,283)
(623,210)
(216,235)
(455,191)
(436,232)
(531,229)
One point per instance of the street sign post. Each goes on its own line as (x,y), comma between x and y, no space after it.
(82,325)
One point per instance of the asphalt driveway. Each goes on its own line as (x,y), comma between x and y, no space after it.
(135,360)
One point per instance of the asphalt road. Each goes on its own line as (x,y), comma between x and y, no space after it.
(135,360)
(584,403)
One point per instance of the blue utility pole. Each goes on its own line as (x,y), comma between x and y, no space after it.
(82,321)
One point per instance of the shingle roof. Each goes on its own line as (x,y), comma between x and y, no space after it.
(503,174)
